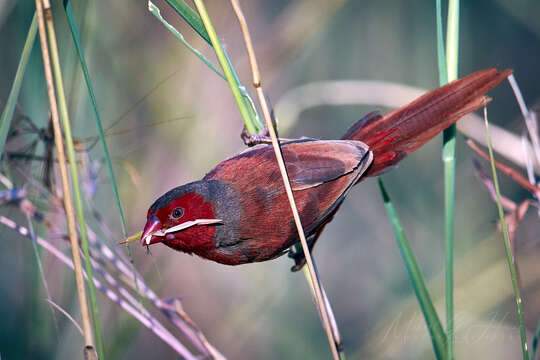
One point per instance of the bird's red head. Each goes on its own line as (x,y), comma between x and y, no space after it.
(182,219)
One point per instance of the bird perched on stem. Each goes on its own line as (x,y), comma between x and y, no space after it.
(239,212)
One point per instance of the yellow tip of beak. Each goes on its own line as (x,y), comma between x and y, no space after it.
(131,238)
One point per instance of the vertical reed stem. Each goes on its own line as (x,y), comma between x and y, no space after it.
(68,202)
(510,257)
(449,159)
(55,60)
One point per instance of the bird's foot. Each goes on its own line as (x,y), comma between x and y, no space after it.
(299,259)
(254,139)
(263,137)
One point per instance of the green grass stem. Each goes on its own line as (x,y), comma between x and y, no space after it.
(436,332)
(441,57)
(452,40)
(253,114)
(535,341)
(509,256)
(75,180)
(9,109)
(91,94)
(76,39)
(248,110)
(449,159)
(252,125)
(37,255)
(449,147)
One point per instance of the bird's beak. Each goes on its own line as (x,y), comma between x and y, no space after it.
(152,225)
(154,233)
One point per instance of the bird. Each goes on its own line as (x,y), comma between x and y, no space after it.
(239,213)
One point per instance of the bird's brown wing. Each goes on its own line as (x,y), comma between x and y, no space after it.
(321,174)
(308,162)
(312,163)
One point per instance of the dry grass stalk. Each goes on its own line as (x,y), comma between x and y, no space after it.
(267,116)
(515,213)
(68,203)
(508,171)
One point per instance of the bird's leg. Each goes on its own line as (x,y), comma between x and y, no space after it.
(298,256)
(263,137)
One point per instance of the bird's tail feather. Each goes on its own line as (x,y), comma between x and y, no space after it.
(395,135)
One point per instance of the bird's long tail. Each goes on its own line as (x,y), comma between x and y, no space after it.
(395,135)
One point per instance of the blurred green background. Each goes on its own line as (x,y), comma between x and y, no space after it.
(263,311)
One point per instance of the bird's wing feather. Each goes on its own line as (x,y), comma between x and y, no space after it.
(313,163)
(308,163)
(321,174)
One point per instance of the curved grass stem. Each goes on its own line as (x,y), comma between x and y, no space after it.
(436,332)
(321,303)
(251,124)
(112,177)
(508,247)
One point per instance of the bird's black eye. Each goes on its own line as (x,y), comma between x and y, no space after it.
(177,213)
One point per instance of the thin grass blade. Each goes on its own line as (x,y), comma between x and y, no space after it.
(157,13)
(66,314)
(436,332)
(252,125)
(531,124)
(441,57)
(191,17)
(508,247)
(80,53)
(251,117)
(91,94)
(7,114)
(41,272)
(535,341)
(452,40)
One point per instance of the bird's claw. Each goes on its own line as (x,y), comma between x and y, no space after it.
(263,137)
(299,260)
(250,139)
(299,266)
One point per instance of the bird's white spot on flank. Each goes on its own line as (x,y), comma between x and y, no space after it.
(147,239)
